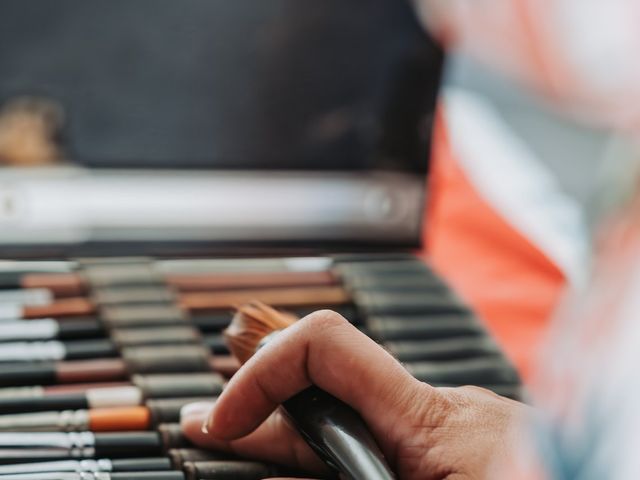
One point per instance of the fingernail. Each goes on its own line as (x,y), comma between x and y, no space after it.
(196,408)
(205,426)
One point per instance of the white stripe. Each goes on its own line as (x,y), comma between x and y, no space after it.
(78,466)
(10,311)
(29,296)
(31,351)
(114,397)
(27,267)
(22,392)
(508,176)
(47,439)
(29,330)
(61,466)
(60,476)
(308,264)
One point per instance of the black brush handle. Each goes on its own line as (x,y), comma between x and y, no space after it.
(337,434)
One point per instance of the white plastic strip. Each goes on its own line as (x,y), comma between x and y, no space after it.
(61,466)
(101,465)
(22,392)
(114,397)
(308,264)
(10,311)
(65,420)
(191,266)
(31,351)
(508,176)
(44,329)
(17,266)
(47,439)
(28,296)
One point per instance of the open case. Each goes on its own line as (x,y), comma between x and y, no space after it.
(214,152)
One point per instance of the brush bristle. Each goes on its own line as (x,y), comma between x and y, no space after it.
(251,323)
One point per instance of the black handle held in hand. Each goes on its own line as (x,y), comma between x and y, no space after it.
(337,434)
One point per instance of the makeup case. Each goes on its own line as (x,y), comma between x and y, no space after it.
(210,151)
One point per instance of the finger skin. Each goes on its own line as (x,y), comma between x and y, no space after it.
(325,350)
(273,441)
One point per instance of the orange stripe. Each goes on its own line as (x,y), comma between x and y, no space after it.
(512,285)
(119,419)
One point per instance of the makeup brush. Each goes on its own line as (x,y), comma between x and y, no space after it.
(333,429)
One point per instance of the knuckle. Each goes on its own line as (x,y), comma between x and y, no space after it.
(325,319)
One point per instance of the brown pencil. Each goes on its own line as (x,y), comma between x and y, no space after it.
(149,361)
(281,297)
(73,284)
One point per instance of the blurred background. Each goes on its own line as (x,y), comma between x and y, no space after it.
(250,122)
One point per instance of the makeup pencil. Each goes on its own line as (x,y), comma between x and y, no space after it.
(230,470)
(408,303)
(31,447)
(477,371)
(50,373)
(50,329)
(95,348)
(165,475)
(12,272)
(38,391)
(153,464)
(126,270)
(236,265)
(143,387)
(286,297)
(75,348)
(140,360)
(216,321)
(16,447)
(180,456)
(443,349)
(30,296)
(237,281)
(74,284)
(395,283)
(384,267)
(97,420)
(56,350)
(423,327)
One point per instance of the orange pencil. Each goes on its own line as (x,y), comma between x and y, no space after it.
(115,419)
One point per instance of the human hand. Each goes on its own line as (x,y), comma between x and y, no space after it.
(424,432)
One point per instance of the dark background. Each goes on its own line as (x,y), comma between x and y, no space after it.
(267,84)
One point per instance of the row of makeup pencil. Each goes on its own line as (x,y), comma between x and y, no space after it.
(98,357)
(399,302)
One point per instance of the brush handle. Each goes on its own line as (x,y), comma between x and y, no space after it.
(337,434)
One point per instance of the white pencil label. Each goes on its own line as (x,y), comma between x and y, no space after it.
(48,439)
(29,330)
(32,296)
(31,351)
(22,392)
(10,311)
(114,397)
